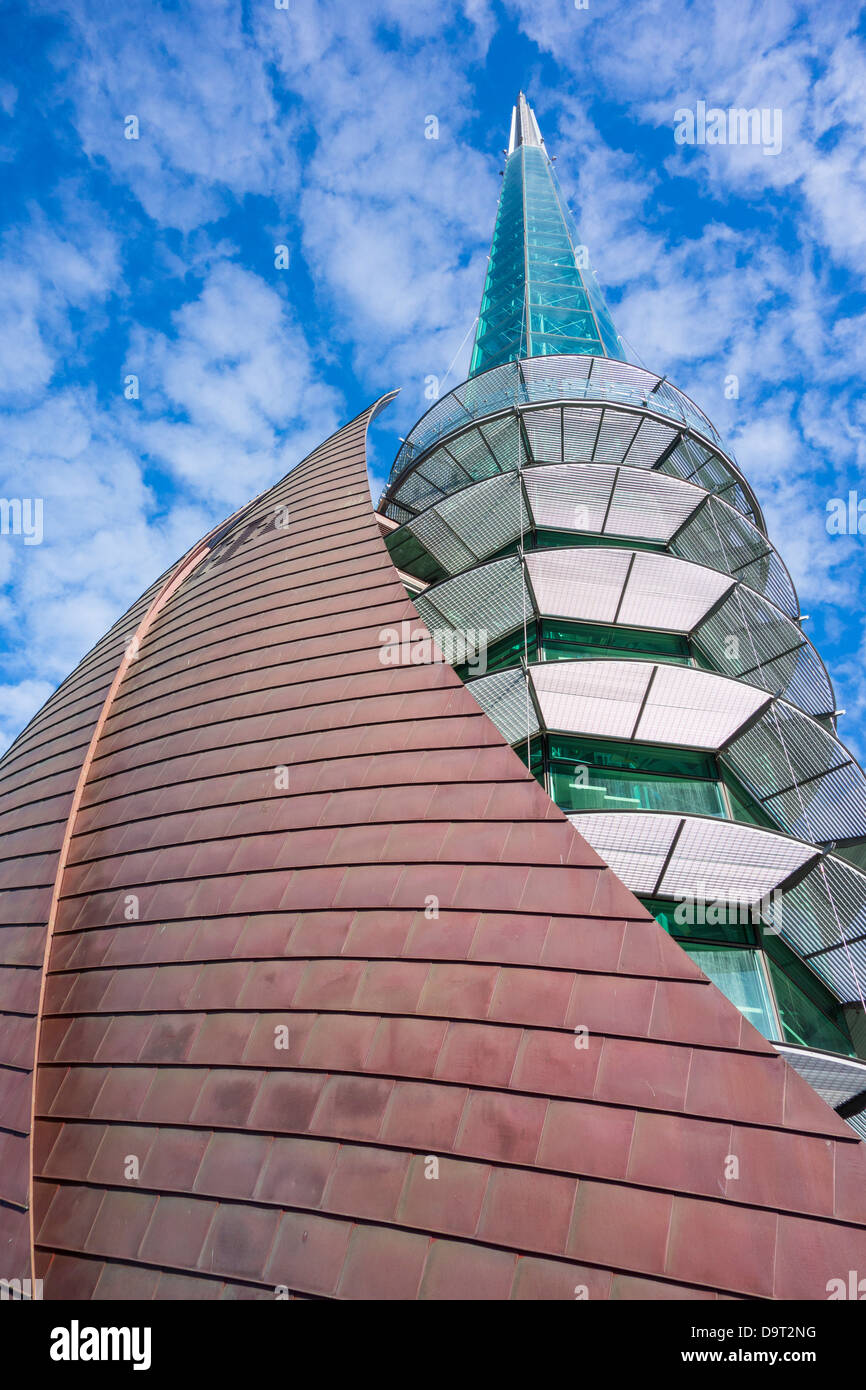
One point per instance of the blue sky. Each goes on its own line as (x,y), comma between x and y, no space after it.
(305,127)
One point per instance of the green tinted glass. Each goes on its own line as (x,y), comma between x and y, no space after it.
(589,776)
(582,789)
(743,806)
(570,640)
(409,555)
(540,297)
(739,975)
(811,1016)
(802,1022)
(687,922)
(536,763)
(508,651)
(635,757)
(547,539)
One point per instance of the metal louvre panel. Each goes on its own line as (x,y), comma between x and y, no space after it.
(802,678)
(737,498)
(559,371)
(633,844)
(580,424)
(503,440)
(656,703)
(712,859)
(617,431)
(491,595)
(723,539)
(628,435)
(591,697)
(667,399)
(826,913)
(697,419)
(649,443)
(728,640)
(700,543)
(837,1079)
(831,808)
(712,475)
(583,584)
(397,513)
(544,432)
(650,505)
(441,470)
(471,452)
(571,496)
(768,576)
(690,454)
(740,540)
(556,377)
(695,709)
(748,632)
(418,492)
(767,759)
(488,515)
(816,749)
(668,593)
(786,746)
(608,370)
(502,696)
(718,859)
(488,391)
(677,465)
(437,537)
(450,412)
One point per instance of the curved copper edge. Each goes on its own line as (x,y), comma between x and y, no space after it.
(185,566)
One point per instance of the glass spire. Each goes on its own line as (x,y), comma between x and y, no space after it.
(540,295)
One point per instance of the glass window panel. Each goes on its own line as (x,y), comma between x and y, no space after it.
(573,347)
(536,764)
(534,242)
(605,776)
(738,974)
(806,982)
(633,757)
(802,1021)
(558,296)
(743,806)
(568,640)
(553,540)
(817,1021)
(410,556)
(582,788)
(508,651)
(735,929)
(563,321)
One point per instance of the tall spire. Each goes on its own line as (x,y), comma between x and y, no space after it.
(524,126)
(540,295)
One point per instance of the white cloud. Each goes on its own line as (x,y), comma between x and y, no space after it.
(210,128)
(309,125)
(232,398)
(43,275)
(103,540)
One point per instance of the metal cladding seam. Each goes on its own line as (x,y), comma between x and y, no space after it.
(41,777)
(268,1007)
